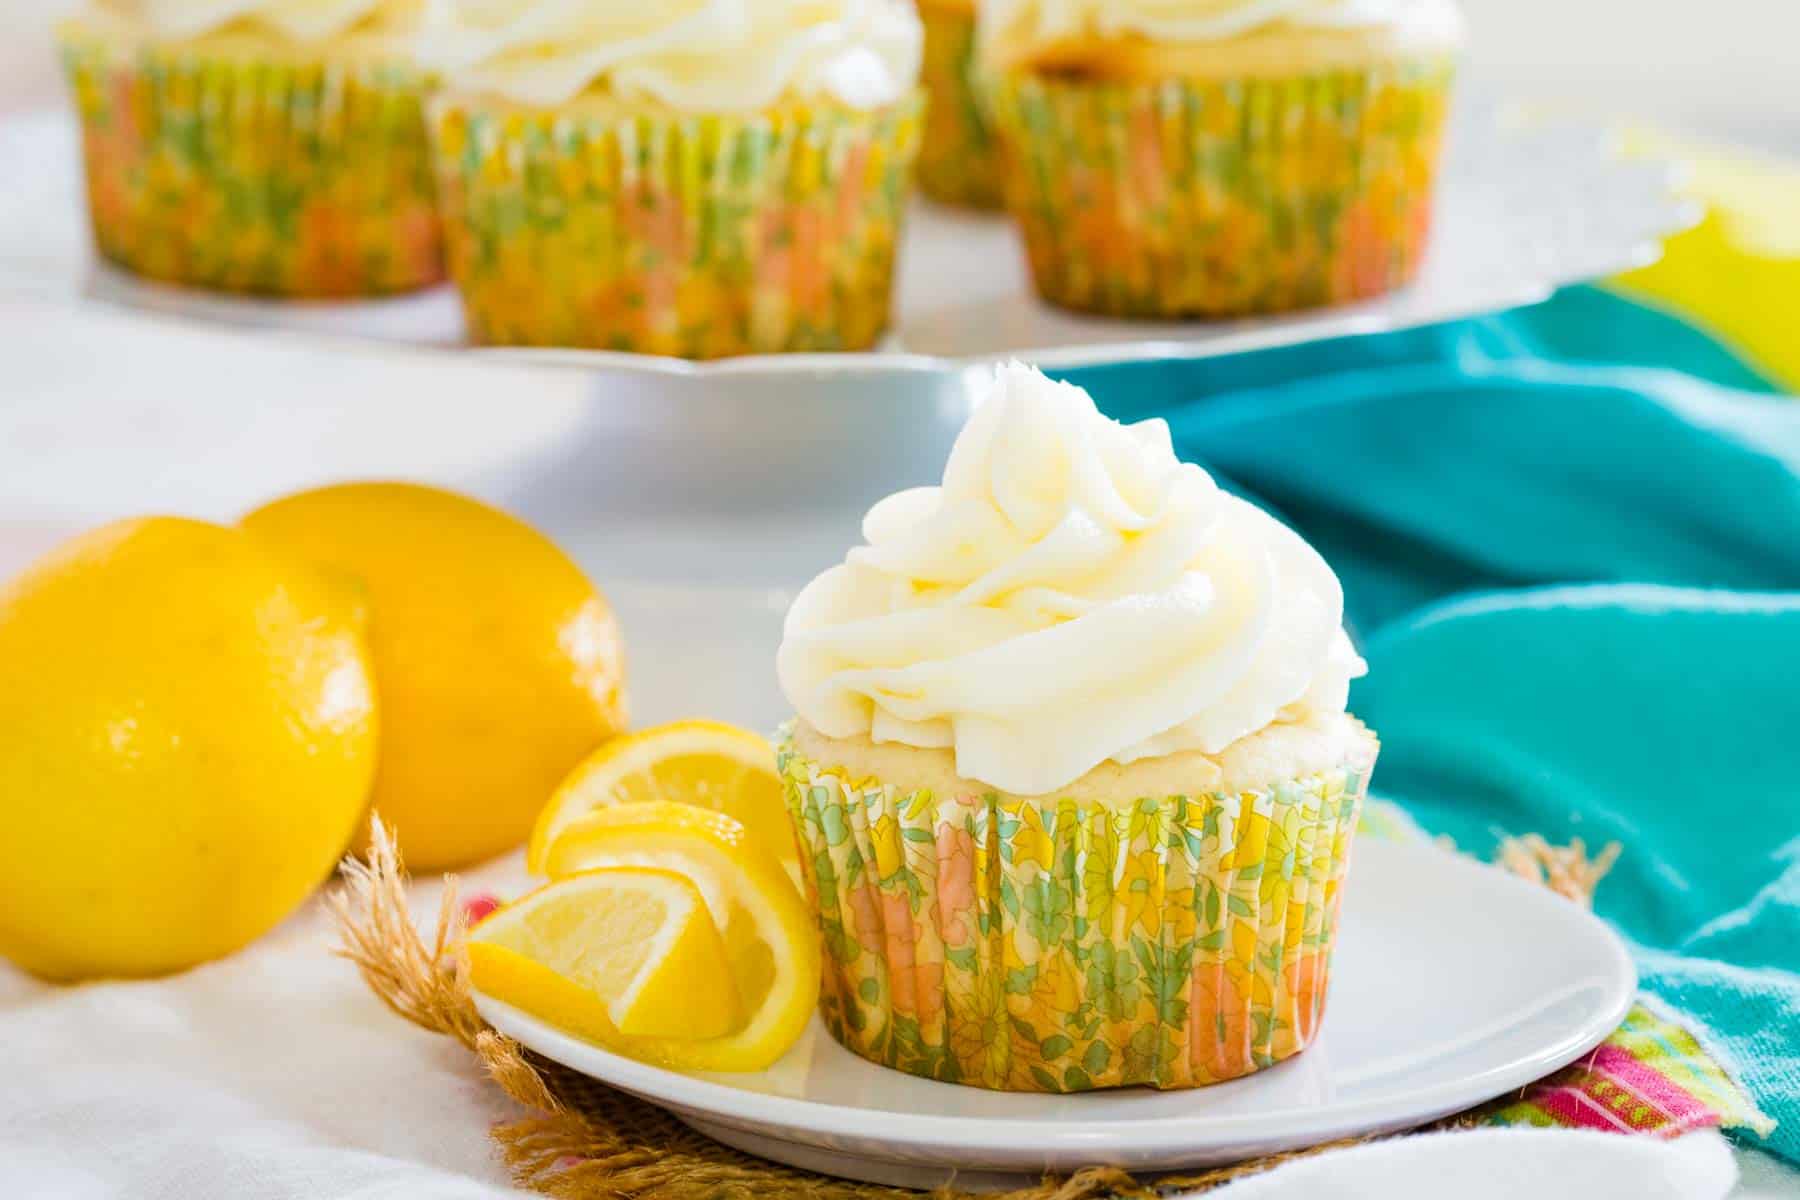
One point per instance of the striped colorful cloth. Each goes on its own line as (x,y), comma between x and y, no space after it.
(1650,1078)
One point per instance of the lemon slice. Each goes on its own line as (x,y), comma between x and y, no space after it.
(703,763)
(770,941)
(614,954)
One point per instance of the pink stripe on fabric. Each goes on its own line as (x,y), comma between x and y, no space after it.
(1652,1086)
(1573,1107)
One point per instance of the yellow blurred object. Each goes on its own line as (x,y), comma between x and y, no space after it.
(769,936)
(1737,273)
(497,662)
(613,955)
(703,763)
(187,742)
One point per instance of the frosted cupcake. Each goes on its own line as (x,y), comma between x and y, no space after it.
(1220,157)
(959,161)
(1071,771)
(265,146)
(698,179)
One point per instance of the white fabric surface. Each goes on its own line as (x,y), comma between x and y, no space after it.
(1505,1164)
(276,1075)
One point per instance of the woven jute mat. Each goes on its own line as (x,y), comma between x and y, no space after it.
(588,1141)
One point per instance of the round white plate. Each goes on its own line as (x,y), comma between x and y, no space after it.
(1453,983)
(1524,207)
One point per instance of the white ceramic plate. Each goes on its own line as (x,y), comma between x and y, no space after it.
(1524,208)
(1453,983)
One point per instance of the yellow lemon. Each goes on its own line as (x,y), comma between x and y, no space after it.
(611,955)
(497,662)
(771,944)
(1735,272)
(703,763)
(187,741)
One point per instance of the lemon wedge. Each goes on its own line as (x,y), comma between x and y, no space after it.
(703,763)
(614,955)
(770,942)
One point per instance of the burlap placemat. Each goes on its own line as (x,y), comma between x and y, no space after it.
(588,1141)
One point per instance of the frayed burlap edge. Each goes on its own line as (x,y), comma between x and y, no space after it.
(1566,870)
(588,1141)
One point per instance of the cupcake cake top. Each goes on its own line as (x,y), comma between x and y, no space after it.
(1014,30)
(1072,594)
(694,55)
(292,20)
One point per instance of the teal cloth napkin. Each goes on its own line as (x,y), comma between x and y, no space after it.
(1570,543)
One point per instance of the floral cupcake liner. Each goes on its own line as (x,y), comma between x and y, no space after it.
(697,236)
(290,177)
(1064,945)
(1218,197)
(959,161)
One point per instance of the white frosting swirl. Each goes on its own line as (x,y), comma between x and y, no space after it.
(1194,20)
(1072,593)
(299,20)
(696,55)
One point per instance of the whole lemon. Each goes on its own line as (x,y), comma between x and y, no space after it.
(497,662)
(187,742)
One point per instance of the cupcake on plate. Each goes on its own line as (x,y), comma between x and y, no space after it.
(959,161)
(1220,157)
(1071,773)
(266,146)
(697,179)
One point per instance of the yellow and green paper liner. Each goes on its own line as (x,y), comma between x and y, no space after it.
(293,176)
(659,232)
(1059,945)
(1218,197)
(959,161)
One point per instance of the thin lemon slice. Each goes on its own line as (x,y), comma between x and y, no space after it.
(770,939)
(703,763)
(613,955)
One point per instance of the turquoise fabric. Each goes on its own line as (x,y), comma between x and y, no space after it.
(1570,543)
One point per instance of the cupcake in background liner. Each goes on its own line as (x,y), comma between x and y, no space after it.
(275,147)
(1072,776)
(1212,158)
(695,179)
(959,160)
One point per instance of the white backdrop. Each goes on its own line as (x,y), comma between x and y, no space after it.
(1725,68)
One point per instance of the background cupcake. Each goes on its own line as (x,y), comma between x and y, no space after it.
(268,146)
(959,161)
(694,179)
(1072,775)
(1219,157)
